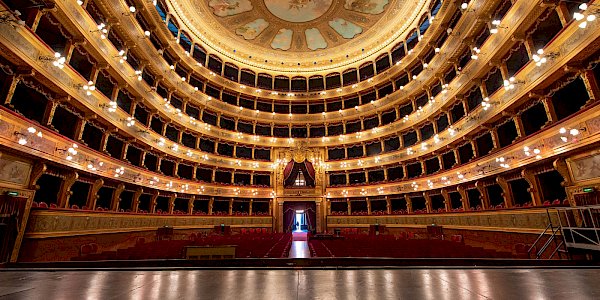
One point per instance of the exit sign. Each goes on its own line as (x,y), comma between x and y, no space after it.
(588,190)
(12,194)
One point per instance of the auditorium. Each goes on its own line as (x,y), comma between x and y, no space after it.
(299,149)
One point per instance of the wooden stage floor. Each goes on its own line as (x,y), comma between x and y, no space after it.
(410,283)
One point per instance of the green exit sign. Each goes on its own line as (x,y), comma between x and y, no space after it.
(588,190)
(12,194)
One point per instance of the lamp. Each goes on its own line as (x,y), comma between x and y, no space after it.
(541,58)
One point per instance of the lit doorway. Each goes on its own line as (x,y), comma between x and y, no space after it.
(300,221)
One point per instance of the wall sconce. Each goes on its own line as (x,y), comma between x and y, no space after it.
(131,11)
(89,87)
(581,15)
(102,29)
(494,25)
(70,152)
(57,60)
(541,58)
(119,172)
(567,134)
(111,106)
(451,32)
(510,83)
(94,165)
(129,121)
(138,75)
(535,151)
(21,138)
(475,53)
(122,56)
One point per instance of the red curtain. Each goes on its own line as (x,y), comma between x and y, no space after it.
(310,169)
(288,170)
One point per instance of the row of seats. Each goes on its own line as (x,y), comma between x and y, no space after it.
(361,245)
(258,244)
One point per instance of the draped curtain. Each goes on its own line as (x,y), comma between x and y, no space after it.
(291,172)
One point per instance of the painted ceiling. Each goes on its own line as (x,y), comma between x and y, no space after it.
(298,25)
(308,34)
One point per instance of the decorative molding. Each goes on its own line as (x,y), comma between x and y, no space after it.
(49,223)
(530,220)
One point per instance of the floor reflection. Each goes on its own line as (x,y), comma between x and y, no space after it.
(304,284)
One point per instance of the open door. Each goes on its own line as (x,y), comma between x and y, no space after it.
(12,210)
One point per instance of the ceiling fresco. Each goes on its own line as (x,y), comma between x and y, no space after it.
(299,25)
(271,34)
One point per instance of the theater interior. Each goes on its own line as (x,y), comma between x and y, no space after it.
(299,149)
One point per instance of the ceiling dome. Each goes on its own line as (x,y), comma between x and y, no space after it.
(298,35)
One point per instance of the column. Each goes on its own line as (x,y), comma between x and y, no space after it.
(534,186)
(408,204)
(93,194)
(506,192)
(485,201)
(64,192)
(116,198)
(428,205)
(464,198)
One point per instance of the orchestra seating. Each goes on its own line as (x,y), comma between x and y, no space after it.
(258,244)
(361,245)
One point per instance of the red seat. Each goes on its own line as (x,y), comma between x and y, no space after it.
(86,249)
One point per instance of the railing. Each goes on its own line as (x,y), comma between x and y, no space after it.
(553,238)
(580,226)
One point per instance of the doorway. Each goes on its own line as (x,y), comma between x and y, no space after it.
(299,216)
(300,222)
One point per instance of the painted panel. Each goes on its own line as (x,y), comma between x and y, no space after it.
(314,39)
(585,168)
(14,172)
(298,11)
(283,39)
(251,30)
(372,7)
(224,8)
(345,28)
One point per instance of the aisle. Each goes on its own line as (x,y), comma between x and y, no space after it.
(299,247)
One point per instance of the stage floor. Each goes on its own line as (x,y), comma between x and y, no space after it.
(304,284)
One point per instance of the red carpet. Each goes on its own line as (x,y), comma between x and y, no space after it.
(300,236)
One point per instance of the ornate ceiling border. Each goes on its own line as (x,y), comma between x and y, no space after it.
(330,59)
